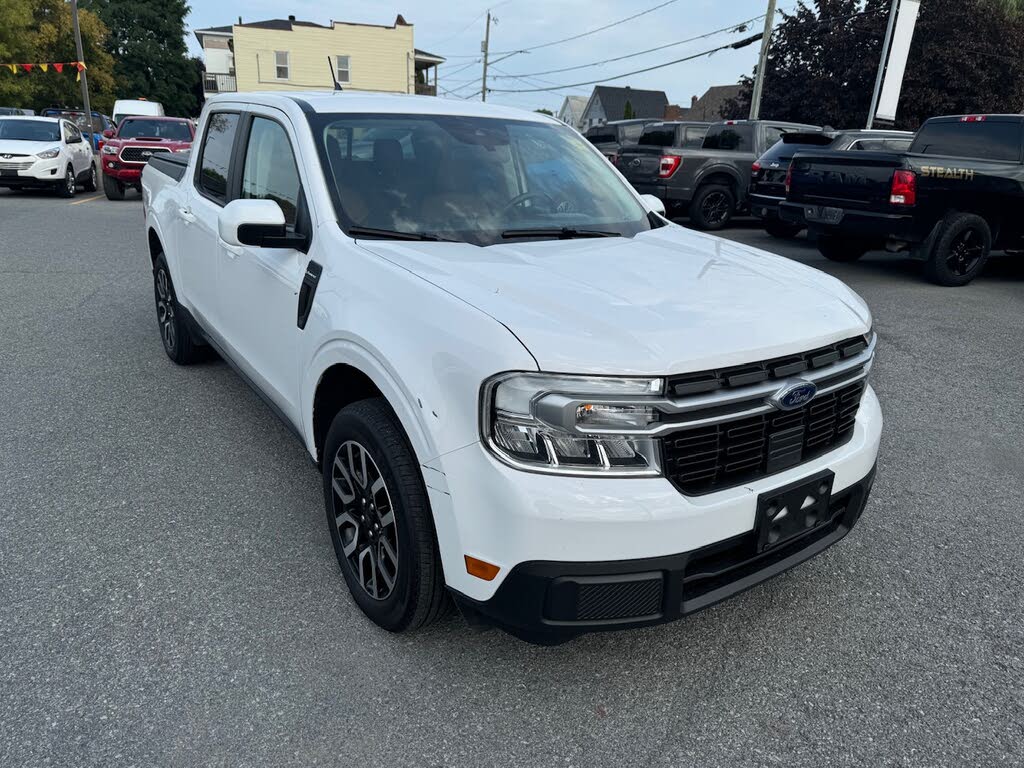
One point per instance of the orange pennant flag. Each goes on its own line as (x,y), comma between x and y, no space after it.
(80,65)
(59,67)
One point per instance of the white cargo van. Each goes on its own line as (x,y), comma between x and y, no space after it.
(135,107)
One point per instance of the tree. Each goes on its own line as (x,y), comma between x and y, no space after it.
(545,112)
(147,38)
(966,56)
(44,34)
(627,112)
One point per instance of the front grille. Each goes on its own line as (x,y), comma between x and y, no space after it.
(135,154)
(618,600)
(15,165)
(706,459)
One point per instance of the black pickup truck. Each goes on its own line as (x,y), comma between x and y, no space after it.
(956,194)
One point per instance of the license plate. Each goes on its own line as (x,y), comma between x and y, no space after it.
(823,214)
(787,512)
(8,173)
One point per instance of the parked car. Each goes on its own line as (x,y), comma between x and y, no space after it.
(956,194)
(710,182)
(45,152)
(524,387)
(92,130)
(4,111)
(768,173)
(136,108)
(137,139)
(611,137)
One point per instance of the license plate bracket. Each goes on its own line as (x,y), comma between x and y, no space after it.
(823,214)
(787,512)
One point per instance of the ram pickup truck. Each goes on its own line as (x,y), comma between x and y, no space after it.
(127,150)
(525,389)
(710,182)
(956,194)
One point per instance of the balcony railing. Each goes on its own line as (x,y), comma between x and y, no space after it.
(214,83)
(422,89)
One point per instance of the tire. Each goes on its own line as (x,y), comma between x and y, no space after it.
(781,229)
(113,188)
(179,344)
(91,182)
(842,249)
(712,207)
(66,188)
(387,533)
(961,250)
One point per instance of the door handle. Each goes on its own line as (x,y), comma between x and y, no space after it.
(186,215)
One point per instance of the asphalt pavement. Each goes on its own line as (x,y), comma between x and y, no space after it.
(169,595)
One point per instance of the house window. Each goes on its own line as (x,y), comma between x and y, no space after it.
(281,64)
(344,70)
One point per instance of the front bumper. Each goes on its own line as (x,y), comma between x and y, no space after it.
(126,173)
(765,207)
(42,173)
(537,528)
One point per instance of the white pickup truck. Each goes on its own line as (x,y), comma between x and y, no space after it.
(527,391)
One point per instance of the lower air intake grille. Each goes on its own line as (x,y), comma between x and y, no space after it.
(618,600)
(711,458)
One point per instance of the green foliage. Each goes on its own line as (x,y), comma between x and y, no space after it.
(147,39)
(966,56)
(628,112)
(545,112)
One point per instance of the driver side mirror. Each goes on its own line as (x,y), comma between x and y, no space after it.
(653,204)
(258,223)
(73,140)
(108,133)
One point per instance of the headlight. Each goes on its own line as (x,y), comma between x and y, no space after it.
(48,154)
(572,424)
(185,149)
(109,150)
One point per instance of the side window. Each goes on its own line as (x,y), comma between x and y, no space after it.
(74,134)
(213,166)
(270,171)
(693,137)
(281,68)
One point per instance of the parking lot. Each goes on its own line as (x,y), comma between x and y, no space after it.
(169,594)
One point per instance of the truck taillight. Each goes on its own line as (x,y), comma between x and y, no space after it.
(904,188)
(669,165)
(972,119)
(789,178)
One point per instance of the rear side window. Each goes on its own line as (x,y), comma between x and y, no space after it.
(693,137)
(213,166)
(601,136)
(985,140)
(659,135)
(270,171)
(730,138)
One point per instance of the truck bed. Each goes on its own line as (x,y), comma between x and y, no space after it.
(172,164)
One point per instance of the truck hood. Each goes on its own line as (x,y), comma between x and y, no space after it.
(168,143)
(666,301)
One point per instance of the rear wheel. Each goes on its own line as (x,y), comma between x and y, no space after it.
(843,249)
(113,188)
(712,207)
(379,517)
(781,229)
(66,187)
(961,250)
(179,344)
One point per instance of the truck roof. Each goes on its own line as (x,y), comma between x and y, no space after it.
(162,118)
(1006,118)
(380,103)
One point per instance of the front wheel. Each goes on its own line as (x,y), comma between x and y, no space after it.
(66,187)
(91,182)
(113,188)
(842,249)
(961,250)
(712,207)
(379,517)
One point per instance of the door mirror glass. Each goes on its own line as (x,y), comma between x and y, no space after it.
(251,222)
(109,133)
(653,204)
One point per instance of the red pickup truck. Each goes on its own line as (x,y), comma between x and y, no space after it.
(126,151)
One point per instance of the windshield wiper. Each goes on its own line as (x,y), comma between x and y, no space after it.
(562,233)
(392,234)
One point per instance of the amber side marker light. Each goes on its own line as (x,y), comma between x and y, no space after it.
(480,569)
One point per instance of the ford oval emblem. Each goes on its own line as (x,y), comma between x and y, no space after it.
(794,395)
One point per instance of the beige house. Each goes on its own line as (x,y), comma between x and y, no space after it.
(286,54)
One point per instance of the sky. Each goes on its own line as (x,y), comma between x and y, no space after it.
(454,29)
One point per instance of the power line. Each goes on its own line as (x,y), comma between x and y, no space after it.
(730,28)
(738,44)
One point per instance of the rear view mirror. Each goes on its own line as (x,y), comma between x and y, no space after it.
(653,204)
(258,223)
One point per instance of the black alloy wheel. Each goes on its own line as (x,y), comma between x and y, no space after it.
(179,344)
(966,250)
(961,250)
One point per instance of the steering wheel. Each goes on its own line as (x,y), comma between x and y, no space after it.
(520,199)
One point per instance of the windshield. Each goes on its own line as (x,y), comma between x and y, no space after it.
(29,130)
(170,130)
(478,180)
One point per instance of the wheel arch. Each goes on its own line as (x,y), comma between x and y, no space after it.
(156,246)
(720,175)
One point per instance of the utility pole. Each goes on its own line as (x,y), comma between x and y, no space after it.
(881,64)
(81,58)
(484,48)
(762,62)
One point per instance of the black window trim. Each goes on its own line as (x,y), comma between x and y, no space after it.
(232,161)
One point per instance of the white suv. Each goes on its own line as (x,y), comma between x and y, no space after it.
(46,152)
(524,387)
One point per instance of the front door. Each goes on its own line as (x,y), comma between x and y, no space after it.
(259,287)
